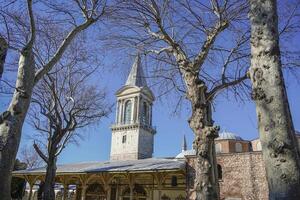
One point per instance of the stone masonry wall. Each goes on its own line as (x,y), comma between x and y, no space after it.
(243,176)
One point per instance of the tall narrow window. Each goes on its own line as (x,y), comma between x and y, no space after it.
(127,114)
(238,147)
(145,114)
(124,139)
(220,173)
(218,147)
(174,181)
(258,146)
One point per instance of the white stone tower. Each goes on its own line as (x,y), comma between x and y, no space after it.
(133,133)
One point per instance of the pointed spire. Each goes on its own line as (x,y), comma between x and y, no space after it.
(184,146)
(136,76)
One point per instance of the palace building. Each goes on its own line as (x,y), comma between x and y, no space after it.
(133,174)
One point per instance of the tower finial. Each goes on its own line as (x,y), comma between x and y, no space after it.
(184,146)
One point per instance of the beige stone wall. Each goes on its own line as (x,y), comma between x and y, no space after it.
(127,150)
(146,142)
(243,176)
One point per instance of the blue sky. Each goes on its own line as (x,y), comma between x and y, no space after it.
(230,115)
(233,116)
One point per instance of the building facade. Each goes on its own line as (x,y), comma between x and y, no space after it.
(133,133)
(133,174)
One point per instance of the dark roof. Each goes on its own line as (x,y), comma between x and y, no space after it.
(151,164)
(136,76)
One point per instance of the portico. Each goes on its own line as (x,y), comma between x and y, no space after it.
(146,179)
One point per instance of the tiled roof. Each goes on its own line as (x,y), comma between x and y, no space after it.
(151,164)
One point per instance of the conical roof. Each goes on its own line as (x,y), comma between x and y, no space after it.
(136,76)
(183,145)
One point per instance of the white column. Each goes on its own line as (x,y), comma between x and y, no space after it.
(135,110)
(30,191)
(150,114)
(117,112)
(138,108)
(83,192)
(121,113)
(131,192)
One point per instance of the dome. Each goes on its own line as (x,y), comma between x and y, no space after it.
(228,136)
(190,152)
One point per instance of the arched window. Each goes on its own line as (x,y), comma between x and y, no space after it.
(174,181)
(219,172)
(95,191)
(180,197)
(218,148)
(145,113)
(238,147)
(165,197)
(139,193)
(127,113)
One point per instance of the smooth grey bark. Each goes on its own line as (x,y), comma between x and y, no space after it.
(277,134)
(12,120)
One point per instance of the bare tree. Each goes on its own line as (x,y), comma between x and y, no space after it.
(196,58)
(277,134)
(63,104)
(74,16)
(29,156)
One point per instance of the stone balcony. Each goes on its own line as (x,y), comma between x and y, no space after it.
(133,125)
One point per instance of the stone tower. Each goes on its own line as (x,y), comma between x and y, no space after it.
(133,133)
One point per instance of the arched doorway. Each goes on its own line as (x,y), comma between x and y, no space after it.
(95,191)
(139,193)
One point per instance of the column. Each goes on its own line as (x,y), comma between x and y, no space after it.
(150,114)
(117,190)
(159,193)
(121,112)
(66,191)
(108,192)
(117,112)
(138,108)
(30,191)
(83,192)
(131,191)
(135,110)
(78,192)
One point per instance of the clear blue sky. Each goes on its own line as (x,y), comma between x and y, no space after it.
(232,116)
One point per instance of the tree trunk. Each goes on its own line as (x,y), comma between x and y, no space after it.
(49,193)
(206,184)
(277,134)
(11,121)
(3,51)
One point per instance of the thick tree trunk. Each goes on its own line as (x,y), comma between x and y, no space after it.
(206,184)
(49,184)
(11,121)
(277,135)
